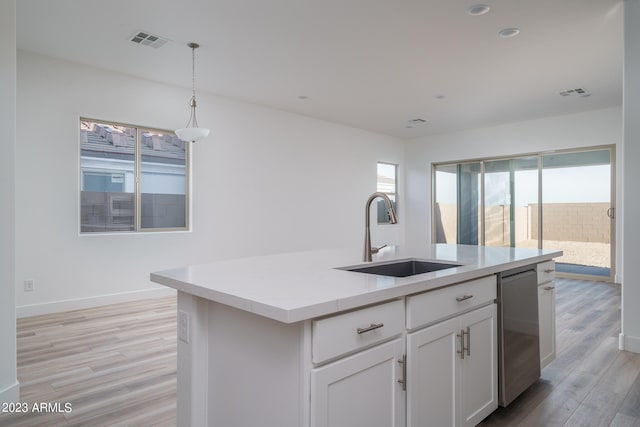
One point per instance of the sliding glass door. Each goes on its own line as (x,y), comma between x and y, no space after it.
(510,192)
(457,203)
(577,211)
(554,201)
(445,203)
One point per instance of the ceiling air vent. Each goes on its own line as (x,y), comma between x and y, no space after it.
(580,92)
(148,39)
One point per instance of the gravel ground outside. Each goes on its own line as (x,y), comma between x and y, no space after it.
(583,253)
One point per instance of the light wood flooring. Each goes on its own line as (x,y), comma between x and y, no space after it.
(116,366)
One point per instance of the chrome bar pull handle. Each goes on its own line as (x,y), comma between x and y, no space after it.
(461,351)
(464,298)
(549,288)
(550,270)
(468,340)
(403,381)
(369,328)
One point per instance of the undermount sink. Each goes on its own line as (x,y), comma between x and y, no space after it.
(402,268)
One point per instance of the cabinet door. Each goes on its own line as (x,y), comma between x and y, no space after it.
(431,375)
(547,319)
(361,390)
(479,367)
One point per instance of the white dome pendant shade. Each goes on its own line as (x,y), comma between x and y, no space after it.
(192,133)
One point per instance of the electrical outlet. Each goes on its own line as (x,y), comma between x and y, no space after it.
(28,285)
(183,326)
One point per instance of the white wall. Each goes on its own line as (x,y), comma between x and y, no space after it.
(9,391)
(264,181)
(602,127)
(630,336)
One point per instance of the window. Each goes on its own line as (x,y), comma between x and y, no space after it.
(132,178)
(387,184)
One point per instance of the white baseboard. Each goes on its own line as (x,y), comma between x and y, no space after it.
(80,303)
(11,393)
(629,343)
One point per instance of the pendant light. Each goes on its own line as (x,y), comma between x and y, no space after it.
(192,132)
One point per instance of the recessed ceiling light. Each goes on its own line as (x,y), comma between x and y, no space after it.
(509,32)
(478,9)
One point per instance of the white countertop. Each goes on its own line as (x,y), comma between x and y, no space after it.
(302,285)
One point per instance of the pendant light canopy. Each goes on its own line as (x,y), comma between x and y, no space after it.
(192,132)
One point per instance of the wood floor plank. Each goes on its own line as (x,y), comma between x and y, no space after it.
(601,405)
(562,402)
(631,404)
(622,420)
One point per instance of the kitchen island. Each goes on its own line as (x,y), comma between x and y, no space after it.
(296,340)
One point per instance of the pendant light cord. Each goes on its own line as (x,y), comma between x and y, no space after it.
(192,102)
(193,70)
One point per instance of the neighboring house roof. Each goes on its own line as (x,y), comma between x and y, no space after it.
(105,141)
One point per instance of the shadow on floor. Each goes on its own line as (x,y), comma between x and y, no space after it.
(562,267)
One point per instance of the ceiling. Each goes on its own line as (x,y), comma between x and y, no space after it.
(370,64)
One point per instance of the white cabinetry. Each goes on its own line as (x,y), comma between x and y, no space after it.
(360,390)
(452,365)
(479,368)
(345,333)
(547,312)
(432,366)
(433,354)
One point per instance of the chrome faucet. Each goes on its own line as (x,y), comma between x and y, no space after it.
(368,250)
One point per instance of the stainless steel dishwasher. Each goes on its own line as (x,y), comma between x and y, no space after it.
(518,332)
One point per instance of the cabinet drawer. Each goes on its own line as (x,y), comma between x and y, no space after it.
(546,271)
(430,306)
(347,332)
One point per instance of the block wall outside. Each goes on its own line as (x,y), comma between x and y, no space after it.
(573,222)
